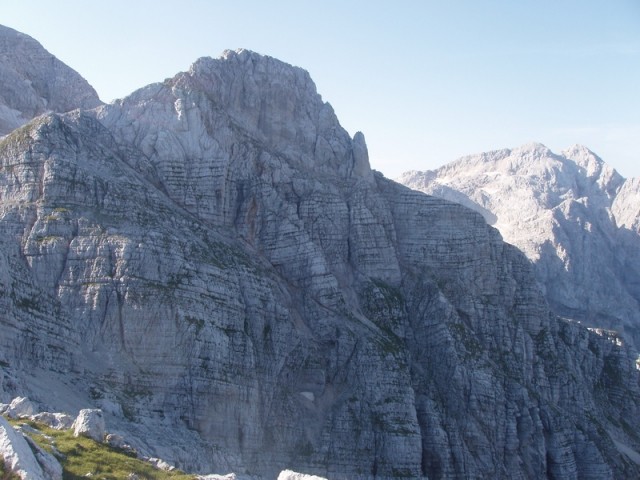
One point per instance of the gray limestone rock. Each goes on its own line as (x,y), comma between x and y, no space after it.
(51,468)
(89,423)
(573,215)
(20,407)
(214,255)
(57,421)
(25,458)
(161,464)
(291,475)
(114,440)
(32,82)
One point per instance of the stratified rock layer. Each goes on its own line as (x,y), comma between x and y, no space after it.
(213,260)
(573,215)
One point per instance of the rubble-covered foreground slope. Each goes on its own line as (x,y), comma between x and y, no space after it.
(212,262)
(572,214)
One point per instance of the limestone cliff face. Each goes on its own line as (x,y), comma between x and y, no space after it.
(32,82)
(572,214)
(241,292)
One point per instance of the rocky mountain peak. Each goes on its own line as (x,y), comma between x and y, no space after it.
(547,178)
(33,81)
(211,262)
(584,158)
(274,101)
(532,150)
(596,173)
(626,206)
(196,127)
(563,210)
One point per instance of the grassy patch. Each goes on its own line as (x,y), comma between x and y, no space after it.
(80,456)
(5,474)
(48,238)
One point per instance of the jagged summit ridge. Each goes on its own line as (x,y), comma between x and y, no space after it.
(274,102)
(571,213)
(250,297)
(534,176)
(189,128)
(32,82)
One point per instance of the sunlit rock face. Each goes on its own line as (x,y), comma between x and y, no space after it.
(32,82)
(229,281)
(573,215)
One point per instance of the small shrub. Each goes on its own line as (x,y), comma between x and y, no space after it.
(5,473)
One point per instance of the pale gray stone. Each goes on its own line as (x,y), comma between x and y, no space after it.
(161,464)
(291,475)
(116,441)
(50,465)
(32,82)
(573,216)
(108,406)
(90,423)
(214,254)
(57,421)
(19,458)
(20,407)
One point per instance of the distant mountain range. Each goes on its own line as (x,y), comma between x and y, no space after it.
(212,262)
(572,214)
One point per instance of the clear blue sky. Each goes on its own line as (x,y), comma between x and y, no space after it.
(425,81)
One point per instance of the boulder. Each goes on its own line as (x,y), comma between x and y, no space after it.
(291,475)
(57,421)
(50,465)
(20,407)
(161,464)
(90,423)
(117,441)
(19,457)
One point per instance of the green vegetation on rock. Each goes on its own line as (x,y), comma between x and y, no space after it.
(80,456)
(5,474)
